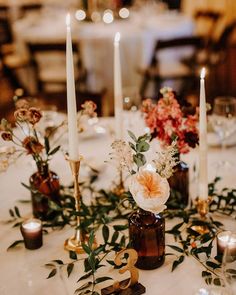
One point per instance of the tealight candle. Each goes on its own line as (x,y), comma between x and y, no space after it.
(31,231)
(226,239)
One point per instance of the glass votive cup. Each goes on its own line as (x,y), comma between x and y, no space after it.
(226,239)
(32,233)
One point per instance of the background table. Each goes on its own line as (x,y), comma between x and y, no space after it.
(138,36)
(23,272)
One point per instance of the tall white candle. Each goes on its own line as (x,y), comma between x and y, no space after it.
(118,88)
(71,97)
(203,176)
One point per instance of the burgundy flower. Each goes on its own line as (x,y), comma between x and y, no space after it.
(34,115)
(32,145)
(7,136)
(191,138)
(89,108)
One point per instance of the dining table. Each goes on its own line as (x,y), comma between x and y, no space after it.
(23,271)
(139,34)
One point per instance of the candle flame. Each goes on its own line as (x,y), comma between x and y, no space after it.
(117,37)
(68,19)
(203,73)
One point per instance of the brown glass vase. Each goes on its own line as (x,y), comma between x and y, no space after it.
(45,187)
(179,184)
(147,237)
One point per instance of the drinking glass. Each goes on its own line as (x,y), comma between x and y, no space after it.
(229,264)
(223,119)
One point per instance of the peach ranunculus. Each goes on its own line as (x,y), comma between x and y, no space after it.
(149,190)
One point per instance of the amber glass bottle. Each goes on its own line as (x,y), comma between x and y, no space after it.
(45,186)
(147,237)
(179,183)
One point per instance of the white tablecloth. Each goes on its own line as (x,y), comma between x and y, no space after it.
(22,271)
(138,36)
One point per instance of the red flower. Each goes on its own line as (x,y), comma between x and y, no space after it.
(166,122)
(32,145)
(7,136)
(34,115)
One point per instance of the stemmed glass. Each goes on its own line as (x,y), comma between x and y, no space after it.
(229,264)
(224,120)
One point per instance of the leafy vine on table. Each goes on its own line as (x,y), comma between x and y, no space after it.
(110,212)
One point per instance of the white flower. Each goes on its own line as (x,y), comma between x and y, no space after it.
(122,155)
(167,160)
(149,190)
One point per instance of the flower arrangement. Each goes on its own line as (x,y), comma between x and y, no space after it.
(166,121)
(147,183)
(27,137)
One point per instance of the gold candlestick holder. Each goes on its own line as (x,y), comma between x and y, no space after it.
(74,243)
(202,206)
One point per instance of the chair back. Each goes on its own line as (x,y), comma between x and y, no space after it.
(36,49)
(182,42)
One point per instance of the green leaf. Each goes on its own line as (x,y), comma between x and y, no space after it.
(46,144)
(15,244)
(206,274)
(58,261)
(105,233)
(49,265)
(142,147)
(91,239)
(177,262)
(178,249)
(114,237)
(120,227)
(231,271)
(102,279)
(17,211)
(84,277)
(139,160)
(84,286)
(52,273)
(69,268)
(54,151)
(131,135)
(132,146)
(217,282)
(11,213)
(213,265)
(73,255)
(86,248)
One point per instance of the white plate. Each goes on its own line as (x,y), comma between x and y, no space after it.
(214,141)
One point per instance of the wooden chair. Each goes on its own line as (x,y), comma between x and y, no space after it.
(58,96)
(185,74)
(36,49)
(10,60)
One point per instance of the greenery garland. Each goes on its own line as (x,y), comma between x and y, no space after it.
(109,212)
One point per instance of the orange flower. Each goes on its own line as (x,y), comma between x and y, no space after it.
(32,145)
(149,190)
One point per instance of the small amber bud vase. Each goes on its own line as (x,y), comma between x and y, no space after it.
(147,237)
(45,187)
(179,182)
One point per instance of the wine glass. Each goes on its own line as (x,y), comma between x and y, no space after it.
(229,264)
(223,119)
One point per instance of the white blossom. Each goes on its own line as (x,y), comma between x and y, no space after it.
(122,155)
(167,160)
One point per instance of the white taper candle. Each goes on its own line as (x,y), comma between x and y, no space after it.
(203,176)
(118,96)
(71,96)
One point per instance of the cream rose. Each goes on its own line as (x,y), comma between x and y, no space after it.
(149,190)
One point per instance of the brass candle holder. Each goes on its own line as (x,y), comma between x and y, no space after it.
(74,243)
(202,206)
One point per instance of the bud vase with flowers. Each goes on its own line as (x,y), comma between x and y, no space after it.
(44,184)
(149,189)
(167,123)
